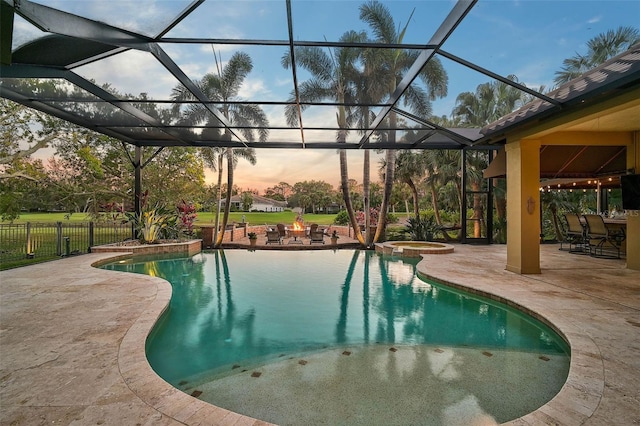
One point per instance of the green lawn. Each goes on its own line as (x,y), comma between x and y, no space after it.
(51,218)
(254,218)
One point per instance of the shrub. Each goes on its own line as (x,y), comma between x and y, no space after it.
(392,218)
(422,228)
(342,218)
(186,216)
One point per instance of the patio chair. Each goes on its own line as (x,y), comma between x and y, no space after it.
(273,237)
(281,230)
(575,235)
(600,238)
(316,237)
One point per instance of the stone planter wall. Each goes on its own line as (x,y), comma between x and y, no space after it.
(187,247)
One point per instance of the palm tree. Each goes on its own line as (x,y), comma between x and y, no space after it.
(442,167)
(331,73)
(223,87)
(410,168)
(369,89)
(601,48)
(392,63)
(488,103)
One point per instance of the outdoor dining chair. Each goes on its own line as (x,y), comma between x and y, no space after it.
(602,242)
(575,235)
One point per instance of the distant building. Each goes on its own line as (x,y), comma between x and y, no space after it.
(332,208)
(260,204)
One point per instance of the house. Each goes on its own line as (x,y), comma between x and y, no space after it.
(261,204)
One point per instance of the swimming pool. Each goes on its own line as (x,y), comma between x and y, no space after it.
(294,337)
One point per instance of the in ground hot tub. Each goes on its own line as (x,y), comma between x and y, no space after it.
(413,248)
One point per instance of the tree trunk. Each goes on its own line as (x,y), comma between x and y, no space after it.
(459,191)
(477,211)
(344,176)
(344,185)
(227,205)
(434,203)
(414,194)
(436,210)
(366,178)
(218,200)
(388,186)
(388,178)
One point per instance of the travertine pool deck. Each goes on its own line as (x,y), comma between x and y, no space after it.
(72,339)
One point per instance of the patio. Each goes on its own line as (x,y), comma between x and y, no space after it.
(289,243)
(73,339)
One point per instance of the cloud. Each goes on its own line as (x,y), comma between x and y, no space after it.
(594,20)
(24,32)
(138,72)
(253,89)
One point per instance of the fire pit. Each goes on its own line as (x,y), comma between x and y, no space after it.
(297,231)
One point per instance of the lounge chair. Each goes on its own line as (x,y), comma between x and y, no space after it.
(600,238)
(281,230)
(273,237)
(316,237)
(575,235)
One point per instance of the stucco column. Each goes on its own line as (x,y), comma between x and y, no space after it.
(633,217)
(523,206)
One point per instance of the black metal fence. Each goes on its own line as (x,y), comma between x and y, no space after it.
(21,244)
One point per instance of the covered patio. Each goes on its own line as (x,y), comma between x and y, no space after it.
(595,135)
(73,339)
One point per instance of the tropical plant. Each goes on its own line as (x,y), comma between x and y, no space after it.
(361,215)
(331,77)
(443,180)
(410,168)
(393,63)
(252,236)
(156,222)
(223,87)
(186,216)
(153,224)
(476,162)
(601,48)
(422,228)
(488,103)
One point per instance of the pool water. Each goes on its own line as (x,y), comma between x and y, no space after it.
(295,321)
